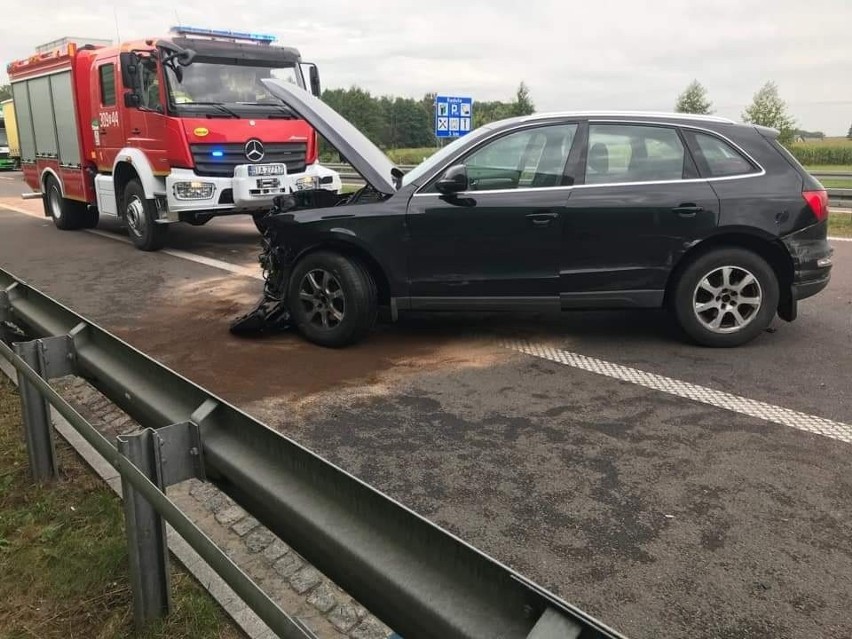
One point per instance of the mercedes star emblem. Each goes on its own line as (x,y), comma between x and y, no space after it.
(254,151)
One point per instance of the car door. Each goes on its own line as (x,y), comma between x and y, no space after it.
(146,124)
(107,125)
(500,238)
(640,207)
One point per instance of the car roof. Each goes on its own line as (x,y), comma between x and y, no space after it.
(617,115)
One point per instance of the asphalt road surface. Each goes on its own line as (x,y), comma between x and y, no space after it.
(670,490)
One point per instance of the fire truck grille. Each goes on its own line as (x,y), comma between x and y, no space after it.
(227,156)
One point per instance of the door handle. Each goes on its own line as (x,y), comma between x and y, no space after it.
(542,218)
(135,131)
(688,210)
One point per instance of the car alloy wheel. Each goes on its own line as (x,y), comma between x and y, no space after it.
(727,299)
(322,298)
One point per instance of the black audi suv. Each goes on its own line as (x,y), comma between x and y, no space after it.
(711,219)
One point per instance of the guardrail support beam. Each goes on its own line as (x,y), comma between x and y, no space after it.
(146,532)
(35,409)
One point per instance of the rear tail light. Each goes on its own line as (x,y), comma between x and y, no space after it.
(818,201)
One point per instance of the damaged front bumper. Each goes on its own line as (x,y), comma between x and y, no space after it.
(270,314)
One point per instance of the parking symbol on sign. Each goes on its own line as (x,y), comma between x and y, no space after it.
(442,124)
(454,109)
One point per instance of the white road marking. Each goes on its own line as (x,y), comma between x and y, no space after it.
(245,271)
(237,269)
(840,239)
(687,390)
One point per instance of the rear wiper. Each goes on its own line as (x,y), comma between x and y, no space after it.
(222,108)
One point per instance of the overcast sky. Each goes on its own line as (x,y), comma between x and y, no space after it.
(602,54)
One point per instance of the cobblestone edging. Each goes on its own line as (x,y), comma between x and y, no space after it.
(299,588)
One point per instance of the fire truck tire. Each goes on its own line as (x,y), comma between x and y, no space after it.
(67,215)
(140,216)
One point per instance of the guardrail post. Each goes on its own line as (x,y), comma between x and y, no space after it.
(146,532)
(35,410)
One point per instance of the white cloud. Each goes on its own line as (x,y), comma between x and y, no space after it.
(603,54)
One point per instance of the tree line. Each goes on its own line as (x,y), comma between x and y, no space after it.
(396,122)
(766,109)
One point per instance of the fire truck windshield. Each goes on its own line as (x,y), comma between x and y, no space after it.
(239,87)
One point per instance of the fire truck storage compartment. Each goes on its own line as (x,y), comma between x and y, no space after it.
(47,120)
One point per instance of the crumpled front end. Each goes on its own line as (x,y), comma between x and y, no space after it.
(278,231)
(270,314)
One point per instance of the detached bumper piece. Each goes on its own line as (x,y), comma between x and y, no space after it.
(269,316)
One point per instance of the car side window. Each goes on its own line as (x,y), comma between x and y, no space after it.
(717,158)
(633,153)
(532,158)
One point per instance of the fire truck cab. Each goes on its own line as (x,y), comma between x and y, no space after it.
(177,129)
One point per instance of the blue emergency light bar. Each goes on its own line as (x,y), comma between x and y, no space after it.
(225,34)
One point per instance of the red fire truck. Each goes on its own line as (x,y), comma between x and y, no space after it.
(175,129)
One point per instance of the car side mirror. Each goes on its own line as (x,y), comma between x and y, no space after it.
(454,180)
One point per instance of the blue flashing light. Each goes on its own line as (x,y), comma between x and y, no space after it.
(225,34)
(217,153)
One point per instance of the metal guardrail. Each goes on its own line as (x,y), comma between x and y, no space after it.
(416,577)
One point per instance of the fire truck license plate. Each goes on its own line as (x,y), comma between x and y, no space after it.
(265,169)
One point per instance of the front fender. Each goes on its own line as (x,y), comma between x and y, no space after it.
(152,183)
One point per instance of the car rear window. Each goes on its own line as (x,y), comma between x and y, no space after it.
(633,153)
(717,158)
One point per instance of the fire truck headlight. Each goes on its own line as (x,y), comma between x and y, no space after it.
(307,182)
(194,190)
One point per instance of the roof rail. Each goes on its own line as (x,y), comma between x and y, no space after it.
(632,114)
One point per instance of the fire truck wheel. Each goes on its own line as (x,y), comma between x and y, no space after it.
(67,214)
(140,216)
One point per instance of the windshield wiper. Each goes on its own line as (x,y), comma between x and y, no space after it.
(280,107)
(222,108)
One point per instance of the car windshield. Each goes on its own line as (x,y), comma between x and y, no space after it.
(437,158)
(212,83)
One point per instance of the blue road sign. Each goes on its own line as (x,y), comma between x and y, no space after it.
(453,116)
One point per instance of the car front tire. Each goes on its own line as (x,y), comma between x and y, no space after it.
(726,297)
(332,299)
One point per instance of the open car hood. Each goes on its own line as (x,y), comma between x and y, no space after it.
(364,156)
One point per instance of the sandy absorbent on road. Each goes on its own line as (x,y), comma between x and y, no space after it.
(188,331)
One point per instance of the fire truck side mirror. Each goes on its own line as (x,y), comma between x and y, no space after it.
(132,100)
(314,79)
(130,70)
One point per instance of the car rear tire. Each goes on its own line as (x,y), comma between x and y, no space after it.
(140,216)
(332,299)
(726,297)
(67,215)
